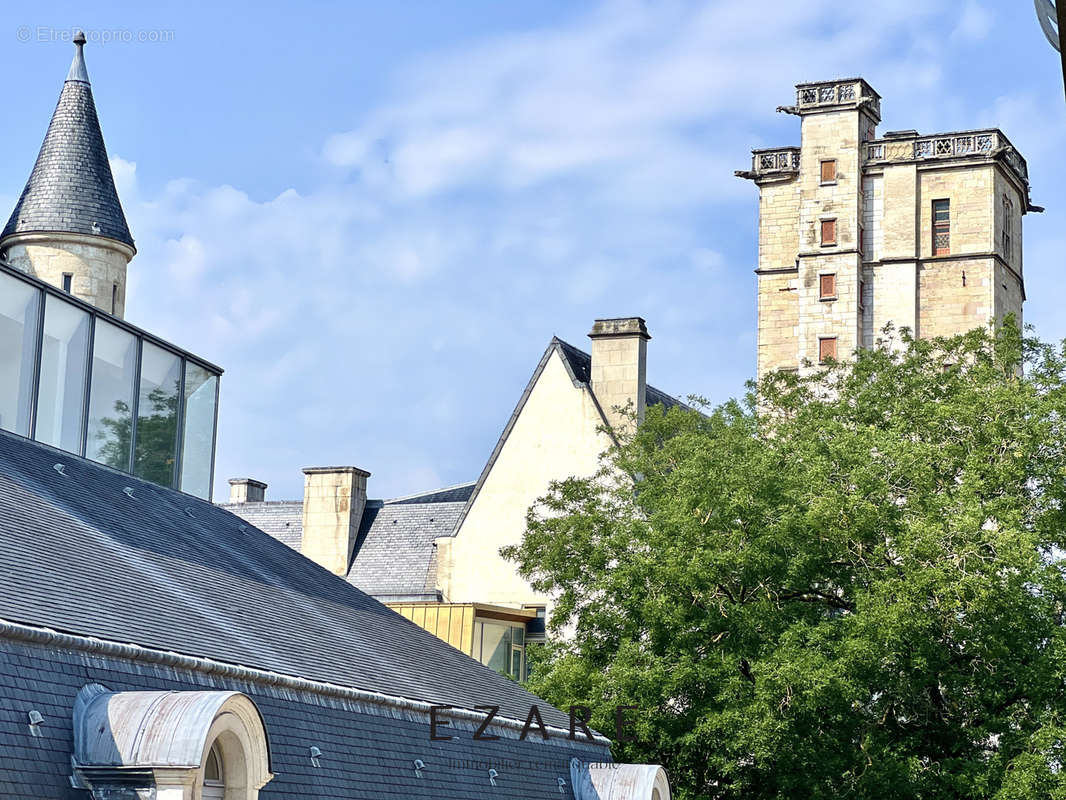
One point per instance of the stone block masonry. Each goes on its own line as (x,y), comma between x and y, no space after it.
(855,213)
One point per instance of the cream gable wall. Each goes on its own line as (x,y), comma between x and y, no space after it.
(554,436)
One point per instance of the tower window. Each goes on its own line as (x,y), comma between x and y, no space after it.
(829,171)
(1008,226)
(68,278)
(827,349)
(829,232)
(941,227)
(827,287)
(114,297)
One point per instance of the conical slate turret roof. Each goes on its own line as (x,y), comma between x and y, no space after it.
(71,188)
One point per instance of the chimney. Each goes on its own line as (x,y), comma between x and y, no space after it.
(619,367)
(246,490)
(334,499)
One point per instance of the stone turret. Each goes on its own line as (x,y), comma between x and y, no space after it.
(68,227)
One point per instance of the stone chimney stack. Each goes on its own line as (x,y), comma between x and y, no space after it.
(334,499)
(246,490)
(619,367)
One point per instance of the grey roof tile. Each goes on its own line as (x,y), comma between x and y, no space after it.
(394,552)
(71,188)
(367,752)
(170,571)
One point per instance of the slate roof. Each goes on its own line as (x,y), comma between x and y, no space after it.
(367,751)
(579,364)
(169,571)
(71,188)
(394,556)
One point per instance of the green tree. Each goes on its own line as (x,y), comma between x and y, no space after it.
(848,588)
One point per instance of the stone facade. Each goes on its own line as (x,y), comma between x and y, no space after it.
(555,434)
(846,230)
(96,266)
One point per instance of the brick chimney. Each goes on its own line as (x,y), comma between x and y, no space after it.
(246,490)
(619,367)
(334,499)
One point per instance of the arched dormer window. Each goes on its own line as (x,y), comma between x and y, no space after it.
(619,781)
(214,777)
(221,752)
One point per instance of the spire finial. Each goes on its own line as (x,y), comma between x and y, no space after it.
(77,66)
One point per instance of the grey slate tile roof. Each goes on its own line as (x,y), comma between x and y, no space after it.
(580,365)
(71,188)
(170,571)
(284,519)
(365,753)
(452,494)
(394,554)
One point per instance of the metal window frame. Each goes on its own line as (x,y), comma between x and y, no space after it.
(43,292)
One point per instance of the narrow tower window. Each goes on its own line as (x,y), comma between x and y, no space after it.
(114,297)
(941,227)
(827,349)
(829,231)
(1008,226)
(827,287)
(829,171)
(68,277)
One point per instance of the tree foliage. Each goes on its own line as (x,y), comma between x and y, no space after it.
(845,586)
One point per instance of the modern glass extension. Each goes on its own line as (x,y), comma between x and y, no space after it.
(81,380)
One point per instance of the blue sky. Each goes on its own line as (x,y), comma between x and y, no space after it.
(376,215)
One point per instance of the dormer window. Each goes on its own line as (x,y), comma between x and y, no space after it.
(214,777)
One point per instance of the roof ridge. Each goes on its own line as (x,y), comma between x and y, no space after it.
(451,488)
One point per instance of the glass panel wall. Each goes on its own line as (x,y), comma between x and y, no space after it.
(111,396)
(85,354)
(64,361)
(155,450)
(19,307)
(201,392)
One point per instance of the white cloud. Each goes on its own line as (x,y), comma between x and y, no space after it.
(509,190)
(975,22)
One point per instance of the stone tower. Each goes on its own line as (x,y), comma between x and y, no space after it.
(68,227)
(857,231)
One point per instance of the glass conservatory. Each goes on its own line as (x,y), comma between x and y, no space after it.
(86,382)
